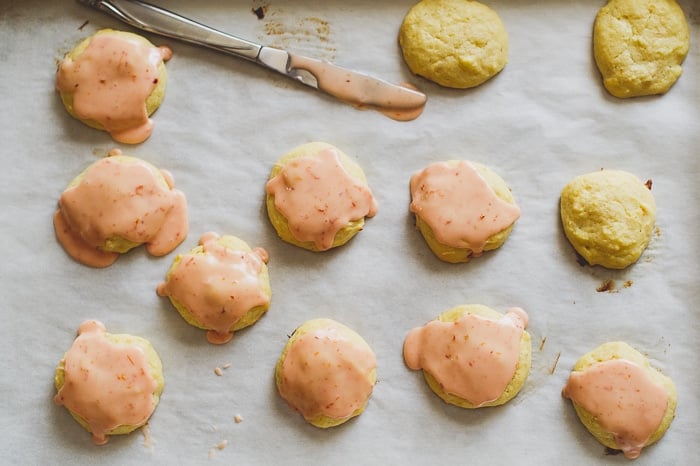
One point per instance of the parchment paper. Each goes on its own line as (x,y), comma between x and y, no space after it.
(224,122)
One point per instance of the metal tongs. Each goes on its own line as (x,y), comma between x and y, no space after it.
(397,101)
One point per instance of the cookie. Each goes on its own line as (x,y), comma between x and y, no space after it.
(623,401)
(639,46)
(472,356)
(317,198)
(221,286)
(455,43)
(110,384)
(608,217)
(116,204)
(113,81)
(462,209)
(326,372)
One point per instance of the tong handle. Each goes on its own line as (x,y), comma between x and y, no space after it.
(160,21)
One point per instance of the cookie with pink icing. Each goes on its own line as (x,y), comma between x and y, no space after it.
(110,383)
(462,209)
(221,286)
(624,402)
(317,198)
(114,81)
(472,356)
(117,204)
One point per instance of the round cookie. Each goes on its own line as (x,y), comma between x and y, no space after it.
(462,209)
(455,43)
(472,356)
(608,217)
(221,286)
(116,96)
(326,372)
(317,198)
(116,204)
(623,401)
(639,46)
(110,384)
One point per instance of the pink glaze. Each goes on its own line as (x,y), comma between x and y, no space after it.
(459,206)
(362,91)
(473,358)
(325,373)
(624,400)
(218,287)
(120,199)
(107,384)
(110,82)
(318,197)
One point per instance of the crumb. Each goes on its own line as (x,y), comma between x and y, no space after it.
(83,25)
(657,231)
(221,445)
(542,343)
(218,371)
(226,366)
(554,366)
(260,11)
(628,283)
(607,285)
(648,184)
(238,418)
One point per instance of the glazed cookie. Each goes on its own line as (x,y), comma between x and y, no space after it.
(608,217)
(110,384)
(220,286)
(116,204)
(471,355)
(462,209)
(639,46)
(326,372)
(317,198)
(113,81)
(455,43)
(622,400)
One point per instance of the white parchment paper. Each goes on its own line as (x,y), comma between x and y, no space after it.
(224,122)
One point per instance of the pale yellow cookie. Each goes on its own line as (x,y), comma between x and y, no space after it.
(608,217)
(221,286)
(447,348)
(110,383)
(428,192)
(622,351)
(455,43)
(325,204)
(326,372)
(639,46)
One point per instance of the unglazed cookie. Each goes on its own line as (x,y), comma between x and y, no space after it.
(639,46)
(462,209)
(455,43)
(471,355)
(110,384)
(608,217)
(622,400)
(317,198)
(116,204)
(220,286)
(326,372)
(113,81)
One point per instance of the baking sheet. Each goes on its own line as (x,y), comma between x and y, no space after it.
(542,121)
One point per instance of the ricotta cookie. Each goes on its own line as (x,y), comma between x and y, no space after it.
(317,198)
(639,46)
(220,286)
(110,384)
(455,43)
(471,355)
(116,204)
(113,81)
(624,402)
(608,217)
(462,209)
(326,372)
